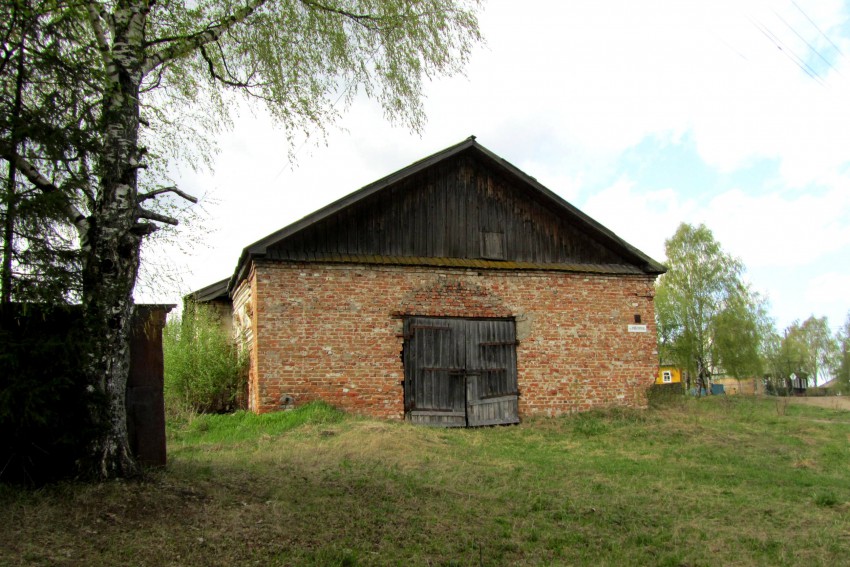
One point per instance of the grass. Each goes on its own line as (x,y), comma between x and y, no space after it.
(727,481)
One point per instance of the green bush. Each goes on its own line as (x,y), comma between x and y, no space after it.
(665,394)
(204,369)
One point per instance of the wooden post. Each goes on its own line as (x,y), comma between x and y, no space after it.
(145,399)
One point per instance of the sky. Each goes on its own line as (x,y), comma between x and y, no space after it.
(644,115)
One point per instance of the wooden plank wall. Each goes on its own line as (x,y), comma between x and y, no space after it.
(448,211)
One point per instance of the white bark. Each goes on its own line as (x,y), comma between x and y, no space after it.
(110,268)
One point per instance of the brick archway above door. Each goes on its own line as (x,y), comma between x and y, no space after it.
(450,297)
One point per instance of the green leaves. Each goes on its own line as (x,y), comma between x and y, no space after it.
(807,349)
(842,372)
(203,367)
(306,60)
(708,318)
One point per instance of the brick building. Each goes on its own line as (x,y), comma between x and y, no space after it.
(456,291)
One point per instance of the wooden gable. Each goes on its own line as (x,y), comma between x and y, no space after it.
(463,206)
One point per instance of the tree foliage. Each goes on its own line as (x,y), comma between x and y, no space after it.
(709,320)
(740,332)
(40,259)
(809,349)
(204,370)
(784,358)
(112,89)
(842,371)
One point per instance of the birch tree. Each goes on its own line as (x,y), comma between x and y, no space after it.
(146,76)
(708,318)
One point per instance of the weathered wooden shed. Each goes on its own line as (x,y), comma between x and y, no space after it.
(456,291)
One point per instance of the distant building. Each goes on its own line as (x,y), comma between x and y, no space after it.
(668,375)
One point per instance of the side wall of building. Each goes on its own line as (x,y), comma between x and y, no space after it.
(245,332)
(335,332)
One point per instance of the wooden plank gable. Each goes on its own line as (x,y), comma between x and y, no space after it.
(458,208)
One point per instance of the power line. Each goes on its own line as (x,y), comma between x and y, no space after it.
(817,28)
(787,51)
(804,40)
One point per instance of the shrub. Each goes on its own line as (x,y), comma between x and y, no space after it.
(664,394)
(204,369)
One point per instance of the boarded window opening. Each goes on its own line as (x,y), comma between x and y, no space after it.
(493,245)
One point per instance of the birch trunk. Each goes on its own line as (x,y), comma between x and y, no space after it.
(110,246)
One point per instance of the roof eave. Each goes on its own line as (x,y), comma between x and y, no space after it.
(210,292)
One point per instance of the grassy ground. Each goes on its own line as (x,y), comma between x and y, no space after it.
(729,481)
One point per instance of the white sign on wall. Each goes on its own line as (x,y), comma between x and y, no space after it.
(637,328)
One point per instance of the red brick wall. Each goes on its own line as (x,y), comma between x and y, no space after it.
(334,332)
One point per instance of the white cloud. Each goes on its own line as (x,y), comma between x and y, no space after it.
(828,293)
(562,91)
(787,230)
(642,218)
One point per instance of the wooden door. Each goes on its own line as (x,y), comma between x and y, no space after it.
(434,358)
(460,372)
(491,384)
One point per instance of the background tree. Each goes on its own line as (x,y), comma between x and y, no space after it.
(842,372)
(204,369)
(822,348)
(739,335)
(786,355)
(814,348)
(708,318)
(139,79)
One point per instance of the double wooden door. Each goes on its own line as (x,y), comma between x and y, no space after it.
(460,372)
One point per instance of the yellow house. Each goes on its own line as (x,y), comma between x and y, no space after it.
(668,375)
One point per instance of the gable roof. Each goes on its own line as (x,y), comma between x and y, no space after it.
(641,262)
(218,290)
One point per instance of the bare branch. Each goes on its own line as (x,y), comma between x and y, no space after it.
(218,77)
(184,46)
(227,69)
(363,19)
(175,190)
(152,86)
(150,215)
(143,228)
